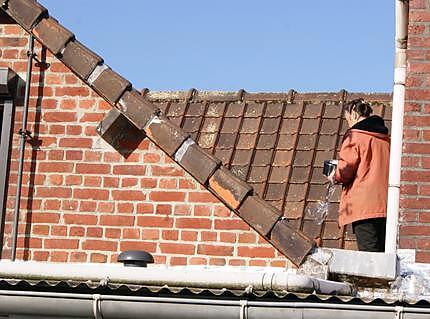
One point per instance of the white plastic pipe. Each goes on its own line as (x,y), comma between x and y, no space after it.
(402,13)
(235,279)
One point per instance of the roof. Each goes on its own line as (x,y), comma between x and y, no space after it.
(277,143)
(286,121)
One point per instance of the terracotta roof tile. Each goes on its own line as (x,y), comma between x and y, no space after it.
(250,125)
(313,110)
(293,110)
(286,142)
(215,110)
(296,192)
(306,142)
(290,126)
(266,141)
(330,126)
(279,174)
(332,110)
(258,174)
(310,126)
(273,110)
(303,158)
(230,125)
(300,174)
(270,125)
(234,110)
(254,109)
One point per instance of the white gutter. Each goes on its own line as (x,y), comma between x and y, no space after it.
(270,280)
(402,13)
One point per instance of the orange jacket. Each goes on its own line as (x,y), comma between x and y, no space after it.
(363,171)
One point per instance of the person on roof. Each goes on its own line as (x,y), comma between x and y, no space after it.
(363,172)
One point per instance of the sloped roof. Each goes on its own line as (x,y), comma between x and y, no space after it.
(281,179)
(277,143)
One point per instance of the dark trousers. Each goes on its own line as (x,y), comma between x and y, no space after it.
(370,234)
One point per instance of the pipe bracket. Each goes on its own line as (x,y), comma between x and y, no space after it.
(244,309)
(399,312)
(97,309)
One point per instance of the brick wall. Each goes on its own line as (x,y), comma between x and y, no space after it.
(415,190)
(83,202)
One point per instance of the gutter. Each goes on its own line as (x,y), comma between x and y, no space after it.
(402,13)
(108,306)
(231,279)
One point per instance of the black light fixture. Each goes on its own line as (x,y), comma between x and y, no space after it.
(135,258)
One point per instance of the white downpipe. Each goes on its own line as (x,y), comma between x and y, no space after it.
(402,13)
(276,280)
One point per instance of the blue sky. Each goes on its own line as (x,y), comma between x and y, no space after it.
(260,46)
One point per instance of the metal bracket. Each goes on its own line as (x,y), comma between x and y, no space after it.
(97,307)
(399,312)
(243,309)
(25,133)
(39,63)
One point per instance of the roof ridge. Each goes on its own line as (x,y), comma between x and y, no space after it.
(243,95)
(118,91)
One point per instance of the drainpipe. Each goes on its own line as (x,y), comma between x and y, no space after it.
(402,13)
(23,133)
(270,279)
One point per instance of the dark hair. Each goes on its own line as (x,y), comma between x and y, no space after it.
(359,106)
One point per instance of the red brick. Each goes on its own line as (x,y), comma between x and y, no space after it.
(151,234)
(80,219)
(414,230)
(202,197)
(161,196)
(92,168)
(129,170)
(94,232)
(53,192)
(78,257)
(57,230)
(188,235)
(72,91)
(76,142)
(100,245)
(58,256)
(197,223)
(77,231)
(422,256)
(215,250)
(138,245)
(252,252)
(42,218)
(228,237)
(177,248)
(178,261)
(131,233)
(130,195)
(217,261)
(170,234)
(55,167)
(98,258)
(166,171)
(234,224)
(91,193)
(61,243)
(155,221)
(40,230)
(115,220)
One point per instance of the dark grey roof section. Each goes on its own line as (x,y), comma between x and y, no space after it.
(101,300)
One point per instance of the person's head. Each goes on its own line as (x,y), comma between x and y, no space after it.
(356,111)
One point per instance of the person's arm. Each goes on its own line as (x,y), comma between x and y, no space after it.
(349,158)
